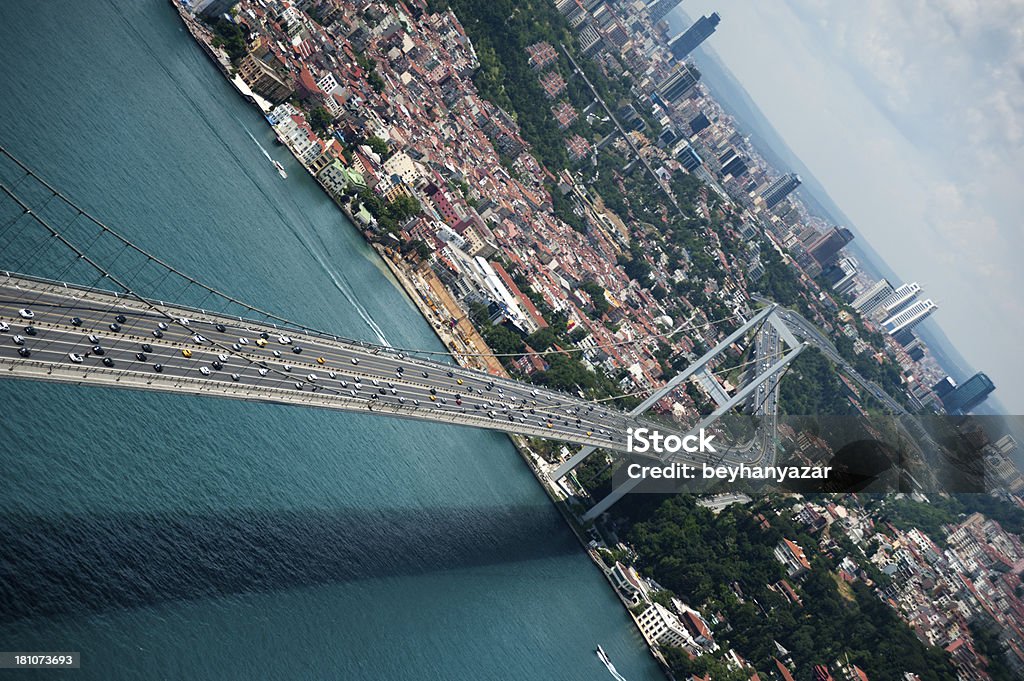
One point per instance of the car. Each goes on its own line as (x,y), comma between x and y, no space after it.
(4,326)
(458,401)
(108,362)
(236,347)
(120,319)
(375,382)
(157,333)
(343,384)
(235,377)
(296,349)
(75,357)
(277,354)
(284,340)
(400,369)
(162,326)
(264,335)
(198,339)
(182,320)
(549,425)
(433,398)
(75,321)
(311,377)
(222,357)
(141,356)
(321,360)
(298,385)
(114,326)
(158,367)
(221,328)
(459,381)
(261,342)
(450,373)
(146,347)
(416,403)
(288,367)
(216,365)
(30,331)
(242,340)
(426,375)
(394,391)
(98,350)
(205,371)
(26,313)
(332,375)
(94,339)
(263,371)
(382,391)
(185,352)
(401,400)
(24,352)
(355,361)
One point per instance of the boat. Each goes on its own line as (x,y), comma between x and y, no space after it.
(280,170)
(603,656)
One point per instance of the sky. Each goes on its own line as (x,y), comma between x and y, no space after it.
(911,114)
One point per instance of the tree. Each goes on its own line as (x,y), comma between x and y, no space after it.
(319,119)
(379,146)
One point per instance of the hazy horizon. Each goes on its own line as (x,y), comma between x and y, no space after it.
(872,99)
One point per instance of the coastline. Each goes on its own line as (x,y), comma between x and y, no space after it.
(458,332)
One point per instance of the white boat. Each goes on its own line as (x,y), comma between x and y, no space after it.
(603,656)
(280,170)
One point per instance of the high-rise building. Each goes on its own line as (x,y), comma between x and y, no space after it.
(688,158)
(944,387)
(909,317)
(688,40)
(969,394)
(827,246)
(660,9)
(872,299)
(679,84)
(900,299)
(780,189)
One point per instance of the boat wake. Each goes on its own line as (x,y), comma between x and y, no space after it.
(273,161)
(603,656)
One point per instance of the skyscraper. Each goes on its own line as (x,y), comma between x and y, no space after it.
(688,41)
(909,317)
(678,84)
(780,189)
(969,394)
(900,300)
(827,246)
(944,387)
(660,9)
(872,299)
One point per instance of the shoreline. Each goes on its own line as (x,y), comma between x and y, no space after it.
(404,273)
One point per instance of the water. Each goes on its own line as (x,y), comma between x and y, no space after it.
(176,537)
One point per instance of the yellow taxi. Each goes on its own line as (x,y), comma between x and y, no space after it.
(321,360)
(185,352)
(262,342)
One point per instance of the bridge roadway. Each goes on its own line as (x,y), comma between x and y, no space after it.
(352,376)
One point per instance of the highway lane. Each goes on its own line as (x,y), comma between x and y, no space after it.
(486,401)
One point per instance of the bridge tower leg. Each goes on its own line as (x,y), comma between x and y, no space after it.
(699,365)
(742,394)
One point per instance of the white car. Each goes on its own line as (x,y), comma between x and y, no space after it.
(76,358)
(26,313)
(284,340)
(311,377)
(205,371)
(243,341)
(4,326)
(263,371)
(222,358)
(198,339)
(355,361)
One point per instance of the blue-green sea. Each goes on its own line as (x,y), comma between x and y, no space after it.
(177,537)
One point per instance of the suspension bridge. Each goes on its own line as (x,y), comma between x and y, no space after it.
(108,313)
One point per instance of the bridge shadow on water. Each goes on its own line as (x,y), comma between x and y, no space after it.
(95,563)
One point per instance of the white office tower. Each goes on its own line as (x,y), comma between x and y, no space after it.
(909,317)
(900,300)
(872,299)
(1006,444)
